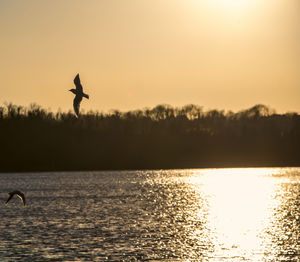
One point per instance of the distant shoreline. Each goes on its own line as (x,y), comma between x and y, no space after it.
(164,137)
(146,169)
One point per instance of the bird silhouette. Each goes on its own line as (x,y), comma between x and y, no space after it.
(78,94)
(19,194)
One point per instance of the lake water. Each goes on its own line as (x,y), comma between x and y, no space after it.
(247,214)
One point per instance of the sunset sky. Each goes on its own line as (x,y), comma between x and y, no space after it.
(220,54)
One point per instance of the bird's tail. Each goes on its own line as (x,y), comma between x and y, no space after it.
(86,96)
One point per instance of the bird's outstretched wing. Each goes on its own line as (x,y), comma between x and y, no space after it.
(19,194)
(76,104)
(77,83)
(22,197)
(9,198)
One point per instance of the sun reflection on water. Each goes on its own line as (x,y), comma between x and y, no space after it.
(241,205)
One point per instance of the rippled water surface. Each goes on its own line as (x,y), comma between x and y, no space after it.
(181,215)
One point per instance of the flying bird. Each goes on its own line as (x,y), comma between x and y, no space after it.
(19,194)
(78,94)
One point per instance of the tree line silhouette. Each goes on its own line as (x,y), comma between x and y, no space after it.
(35,139)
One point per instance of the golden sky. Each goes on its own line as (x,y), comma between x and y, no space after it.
(223,54)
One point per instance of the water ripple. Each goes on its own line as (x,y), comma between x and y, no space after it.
(184,215)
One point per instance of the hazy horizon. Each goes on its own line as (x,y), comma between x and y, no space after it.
(84,111)
(220,54)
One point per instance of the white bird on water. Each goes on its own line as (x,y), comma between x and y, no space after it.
(19,194)
(78,94)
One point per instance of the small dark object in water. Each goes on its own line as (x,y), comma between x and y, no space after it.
(19,194)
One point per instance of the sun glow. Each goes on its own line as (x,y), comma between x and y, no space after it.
(237,5)
(233,7)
